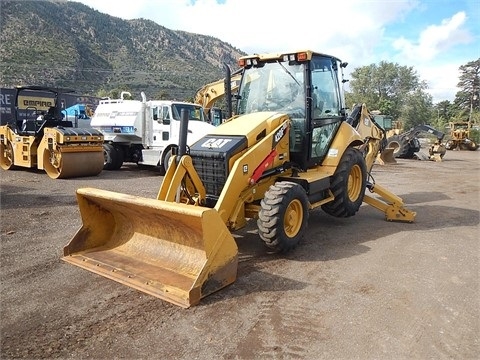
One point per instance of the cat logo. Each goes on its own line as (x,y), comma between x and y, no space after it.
(215,143)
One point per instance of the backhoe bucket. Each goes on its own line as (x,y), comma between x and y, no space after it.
(179,253)
(386,157)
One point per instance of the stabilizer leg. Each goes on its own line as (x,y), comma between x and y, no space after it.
(392,205)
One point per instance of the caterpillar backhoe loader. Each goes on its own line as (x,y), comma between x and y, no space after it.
(44,140)
(290,148)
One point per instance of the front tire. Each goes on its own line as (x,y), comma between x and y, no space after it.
(6,156)
(166,158)
(282,220)
(348,185)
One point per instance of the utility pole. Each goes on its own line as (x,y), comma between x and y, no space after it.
(472,99)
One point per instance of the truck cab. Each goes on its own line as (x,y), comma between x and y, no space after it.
(145,132)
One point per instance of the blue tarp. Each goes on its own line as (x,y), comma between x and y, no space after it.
(78,110)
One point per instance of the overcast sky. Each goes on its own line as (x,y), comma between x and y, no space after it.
(435,37)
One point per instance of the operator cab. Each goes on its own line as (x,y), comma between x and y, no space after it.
(38,107)
(305,85)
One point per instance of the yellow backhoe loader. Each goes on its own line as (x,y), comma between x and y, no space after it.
(290,148)
(41,138)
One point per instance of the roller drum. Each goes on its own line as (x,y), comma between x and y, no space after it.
(63,165)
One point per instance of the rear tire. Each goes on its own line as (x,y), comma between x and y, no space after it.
(348,185)
(120,157)
(110,157)
(282,220)
(401,146)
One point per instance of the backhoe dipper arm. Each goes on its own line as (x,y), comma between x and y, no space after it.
(425,128)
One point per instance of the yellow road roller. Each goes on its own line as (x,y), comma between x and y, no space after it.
(40,138)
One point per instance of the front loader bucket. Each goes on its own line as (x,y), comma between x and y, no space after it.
(386,156)
(179,253)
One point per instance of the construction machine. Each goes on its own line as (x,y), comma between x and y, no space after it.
(460,137)
(291,147)
(42,139)
(406,145)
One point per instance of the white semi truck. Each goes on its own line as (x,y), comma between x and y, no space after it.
(145,132)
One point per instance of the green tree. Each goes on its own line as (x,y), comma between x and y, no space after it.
(467,100)
(442,113)
(388,87)
(417,109)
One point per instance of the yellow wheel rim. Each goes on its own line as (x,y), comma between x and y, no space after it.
(6,155)
(355,183)
(292,220)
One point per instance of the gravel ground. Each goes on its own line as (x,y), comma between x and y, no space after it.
(358,288)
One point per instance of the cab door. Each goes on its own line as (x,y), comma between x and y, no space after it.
(161,118)
(327,106)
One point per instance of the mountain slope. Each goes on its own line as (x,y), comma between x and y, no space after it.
(68,44)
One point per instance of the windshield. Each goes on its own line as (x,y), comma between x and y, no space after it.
(273,87)
(195,112)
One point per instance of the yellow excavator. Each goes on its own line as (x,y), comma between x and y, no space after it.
(291,147)
(41,138)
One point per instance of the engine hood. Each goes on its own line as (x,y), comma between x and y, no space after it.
(253,126)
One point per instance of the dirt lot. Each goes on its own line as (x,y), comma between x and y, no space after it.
(358,288)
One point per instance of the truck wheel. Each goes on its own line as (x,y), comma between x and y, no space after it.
(348,185)
(401,147)
(6,155)
(166,158)
(282,220)
(110,157)
(120,157)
